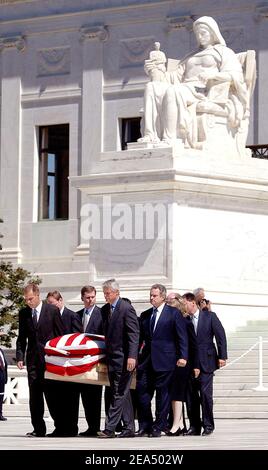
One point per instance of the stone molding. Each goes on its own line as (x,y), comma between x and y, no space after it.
(178,22)
(89,32)
(7,42)
(261,12)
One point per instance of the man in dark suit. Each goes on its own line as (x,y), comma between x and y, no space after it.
(121,329)
(91,395)
(71,320)
(200,391)
(66,410)
(164,344)
(38,323)
(3,381)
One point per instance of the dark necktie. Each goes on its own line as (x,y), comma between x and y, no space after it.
(2,365)
(111,312)
(35,317)
(152,320)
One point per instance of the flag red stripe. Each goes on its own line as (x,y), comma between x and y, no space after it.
(71,339)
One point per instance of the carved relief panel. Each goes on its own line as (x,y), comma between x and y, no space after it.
(53,61)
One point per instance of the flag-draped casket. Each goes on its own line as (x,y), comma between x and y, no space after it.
(77,357)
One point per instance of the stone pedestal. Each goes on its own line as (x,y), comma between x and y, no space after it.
(181,218)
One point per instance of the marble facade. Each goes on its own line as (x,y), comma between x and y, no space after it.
(82,63)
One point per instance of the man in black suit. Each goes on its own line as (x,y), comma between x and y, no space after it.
(3,381)
(66,410)
(121,329)
(38,323)
(200,391)
(91,395)
(71,320)
(164,344)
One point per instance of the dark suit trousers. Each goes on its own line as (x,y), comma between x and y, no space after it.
(121,404)
(200,393)
(36,402)
(63,406)
(2,389)
(91,398)
(148,382)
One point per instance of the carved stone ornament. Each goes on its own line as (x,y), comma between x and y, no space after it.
(261,12)
(94,32)
(54,61)
(175,23)
(12,41)
(133,52)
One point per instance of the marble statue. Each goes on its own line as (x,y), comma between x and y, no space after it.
(183,97)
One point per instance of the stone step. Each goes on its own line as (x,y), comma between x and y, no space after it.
(261,330)
(256,394)
(241,415)
(246,379)
(231,386)
(255,334)
(234,343)
(242,407)
(241,365)
(230,372)
(233,400)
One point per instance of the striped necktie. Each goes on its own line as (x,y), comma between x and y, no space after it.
(152,320)
(34,317)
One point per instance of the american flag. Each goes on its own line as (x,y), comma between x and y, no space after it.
(74,356)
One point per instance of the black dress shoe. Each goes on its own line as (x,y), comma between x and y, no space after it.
(106,434)
(192,432)
(35,434)
(141,433)
(88,433)
(154,433)
(126,433)
(179,432)
(2,418)
(207,432)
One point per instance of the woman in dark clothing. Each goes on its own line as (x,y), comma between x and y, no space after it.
(181,374)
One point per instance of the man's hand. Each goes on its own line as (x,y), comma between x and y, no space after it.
(181,362)
(20,365)
(131,364)
(221,363)
(196,373)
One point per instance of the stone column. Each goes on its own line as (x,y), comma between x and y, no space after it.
(92,38)
(11,58)
(92,94)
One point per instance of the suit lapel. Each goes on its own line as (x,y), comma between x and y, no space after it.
(200,323)
(42,315)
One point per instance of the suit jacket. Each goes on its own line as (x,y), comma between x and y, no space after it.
(193,356)
(5,364)
(95,324)
(32,339)
(208,328)
(168,343)
(121,334)
(71,321)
